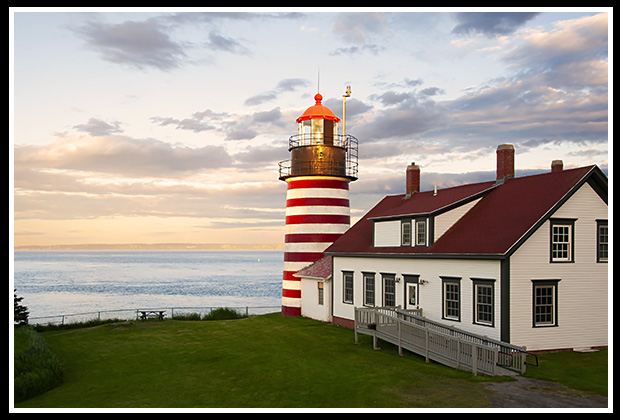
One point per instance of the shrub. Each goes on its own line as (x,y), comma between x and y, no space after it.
(37,368)
(223,313)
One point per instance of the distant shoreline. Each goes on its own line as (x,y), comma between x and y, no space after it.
(153,247)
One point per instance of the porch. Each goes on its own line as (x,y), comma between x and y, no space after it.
(409,330)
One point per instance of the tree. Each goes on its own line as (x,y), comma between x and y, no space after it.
(20,316)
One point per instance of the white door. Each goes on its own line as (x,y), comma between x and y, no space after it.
(412,298)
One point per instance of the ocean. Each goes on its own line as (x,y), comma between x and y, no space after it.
(55,283)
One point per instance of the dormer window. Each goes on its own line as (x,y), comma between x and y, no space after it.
(405,233)
(420,232)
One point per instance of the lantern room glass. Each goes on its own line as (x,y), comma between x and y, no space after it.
(312,132)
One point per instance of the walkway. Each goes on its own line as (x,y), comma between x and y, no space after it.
(440,343)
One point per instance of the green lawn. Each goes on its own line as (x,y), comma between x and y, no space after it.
(264,361)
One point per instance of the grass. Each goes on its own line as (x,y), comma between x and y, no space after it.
(263,361)
(582,371)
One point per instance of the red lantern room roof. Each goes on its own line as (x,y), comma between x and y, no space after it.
(318,111)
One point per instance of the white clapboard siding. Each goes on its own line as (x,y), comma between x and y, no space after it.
(583,286)
(387,233)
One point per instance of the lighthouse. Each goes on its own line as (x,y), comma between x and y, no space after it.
(322,164)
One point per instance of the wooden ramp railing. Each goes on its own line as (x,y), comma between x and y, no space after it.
(437,342)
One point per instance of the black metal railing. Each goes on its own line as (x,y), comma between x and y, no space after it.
(311,139)
(347,167)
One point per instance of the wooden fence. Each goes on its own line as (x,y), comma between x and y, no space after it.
(129,314)
(437,342)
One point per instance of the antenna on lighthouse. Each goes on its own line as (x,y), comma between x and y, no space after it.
(344,101)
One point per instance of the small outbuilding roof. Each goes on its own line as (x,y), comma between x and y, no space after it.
(319,270)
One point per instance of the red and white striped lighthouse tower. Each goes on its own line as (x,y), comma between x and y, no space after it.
(322,164)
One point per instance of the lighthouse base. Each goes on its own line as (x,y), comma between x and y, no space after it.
(290,311)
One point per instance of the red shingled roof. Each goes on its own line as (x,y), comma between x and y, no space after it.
(321,269)
(493,226)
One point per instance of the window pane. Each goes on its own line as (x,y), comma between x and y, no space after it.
(484,304)
(389,287)
(544,305)
(348,287)
(421,233)
(406,233)
(603,237)
(451,300)
(369,289)
(560,243)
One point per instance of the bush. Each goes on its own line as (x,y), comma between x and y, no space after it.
(218,314)
(194,316)
(37,368)
(222,313)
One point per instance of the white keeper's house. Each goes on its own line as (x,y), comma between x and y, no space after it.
(517,259)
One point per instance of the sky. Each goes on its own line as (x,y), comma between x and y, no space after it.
(167,126)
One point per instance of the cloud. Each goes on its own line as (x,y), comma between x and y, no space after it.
(134,44)
(573,54)
(231,126)
(555,91)
(374,49)
(357,27)
(405,114)
(97,127)
(120,155)
(285,85)
(221,43)
(148,44)
(490,24)
(199,121)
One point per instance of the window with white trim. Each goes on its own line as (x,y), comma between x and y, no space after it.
(451,290)
(405,231)
(484,305)
(320,293)
(420,228)
(562,240)
(389,290)
(347,280)
(545,303)
(602,241)
(369,289)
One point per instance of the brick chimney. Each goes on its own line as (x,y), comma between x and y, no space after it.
(413,179)
(557,166)
(505,162)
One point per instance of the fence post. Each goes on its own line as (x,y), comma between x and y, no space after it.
(427,344)
(400,348)
(474,358)
(355,324)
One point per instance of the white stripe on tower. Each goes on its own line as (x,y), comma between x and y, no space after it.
(317,213)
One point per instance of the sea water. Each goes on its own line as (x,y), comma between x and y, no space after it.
(70,282)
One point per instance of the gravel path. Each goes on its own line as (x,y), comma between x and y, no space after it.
(534,393)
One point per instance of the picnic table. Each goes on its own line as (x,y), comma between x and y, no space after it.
(152,314)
